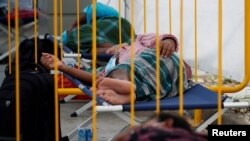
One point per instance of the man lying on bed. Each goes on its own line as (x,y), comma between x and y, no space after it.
(107,26)
(115,86)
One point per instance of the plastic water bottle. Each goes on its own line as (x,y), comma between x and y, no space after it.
(84,134)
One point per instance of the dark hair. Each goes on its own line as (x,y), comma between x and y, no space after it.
(180,131)
(178,122)
(27,51)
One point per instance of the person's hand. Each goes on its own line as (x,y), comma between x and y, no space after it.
(167,47)
(73,25)
(48,61)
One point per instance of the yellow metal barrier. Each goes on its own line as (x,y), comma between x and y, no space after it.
(247,56)
(94,53)
(55,32)
(132,102)
(17,72)
(66,91)
(9,38)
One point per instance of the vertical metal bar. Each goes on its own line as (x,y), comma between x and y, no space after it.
(219,59)
(55,23)
(9,38)
(78,31)
(17,71)
(94,53)
(195,42)
(170,16)
(157,51)
(35,29)
(145,15)
(120,24)
(61,31)
(132,96)
(181,111)
(197,112)
(247,37)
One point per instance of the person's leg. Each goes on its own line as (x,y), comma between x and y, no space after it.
(119,86)
(112,97)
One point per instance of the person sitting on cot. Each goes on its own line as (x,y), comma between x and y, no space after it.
(118,69)
(162,127)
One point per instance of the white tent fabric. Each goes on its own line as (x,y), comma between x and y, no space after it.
(207,30)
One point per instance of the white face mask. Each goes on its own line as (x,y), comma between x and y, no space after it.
(111,64)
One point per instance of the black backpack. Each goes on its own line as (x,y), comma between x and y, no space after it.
(36,106)
(36,96)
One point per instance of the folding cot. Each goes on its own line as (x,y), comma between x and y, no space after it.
(196,97)
(103,57)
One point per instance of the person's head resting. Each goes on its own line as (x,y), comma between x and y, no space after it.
(162,127)
(29,55)
(166,120)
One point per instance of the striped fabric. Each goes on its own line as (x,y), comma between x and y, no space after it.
(107,32)
(145,77)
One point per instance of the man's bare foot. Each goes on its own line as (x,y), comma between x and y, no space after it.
(113,98)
